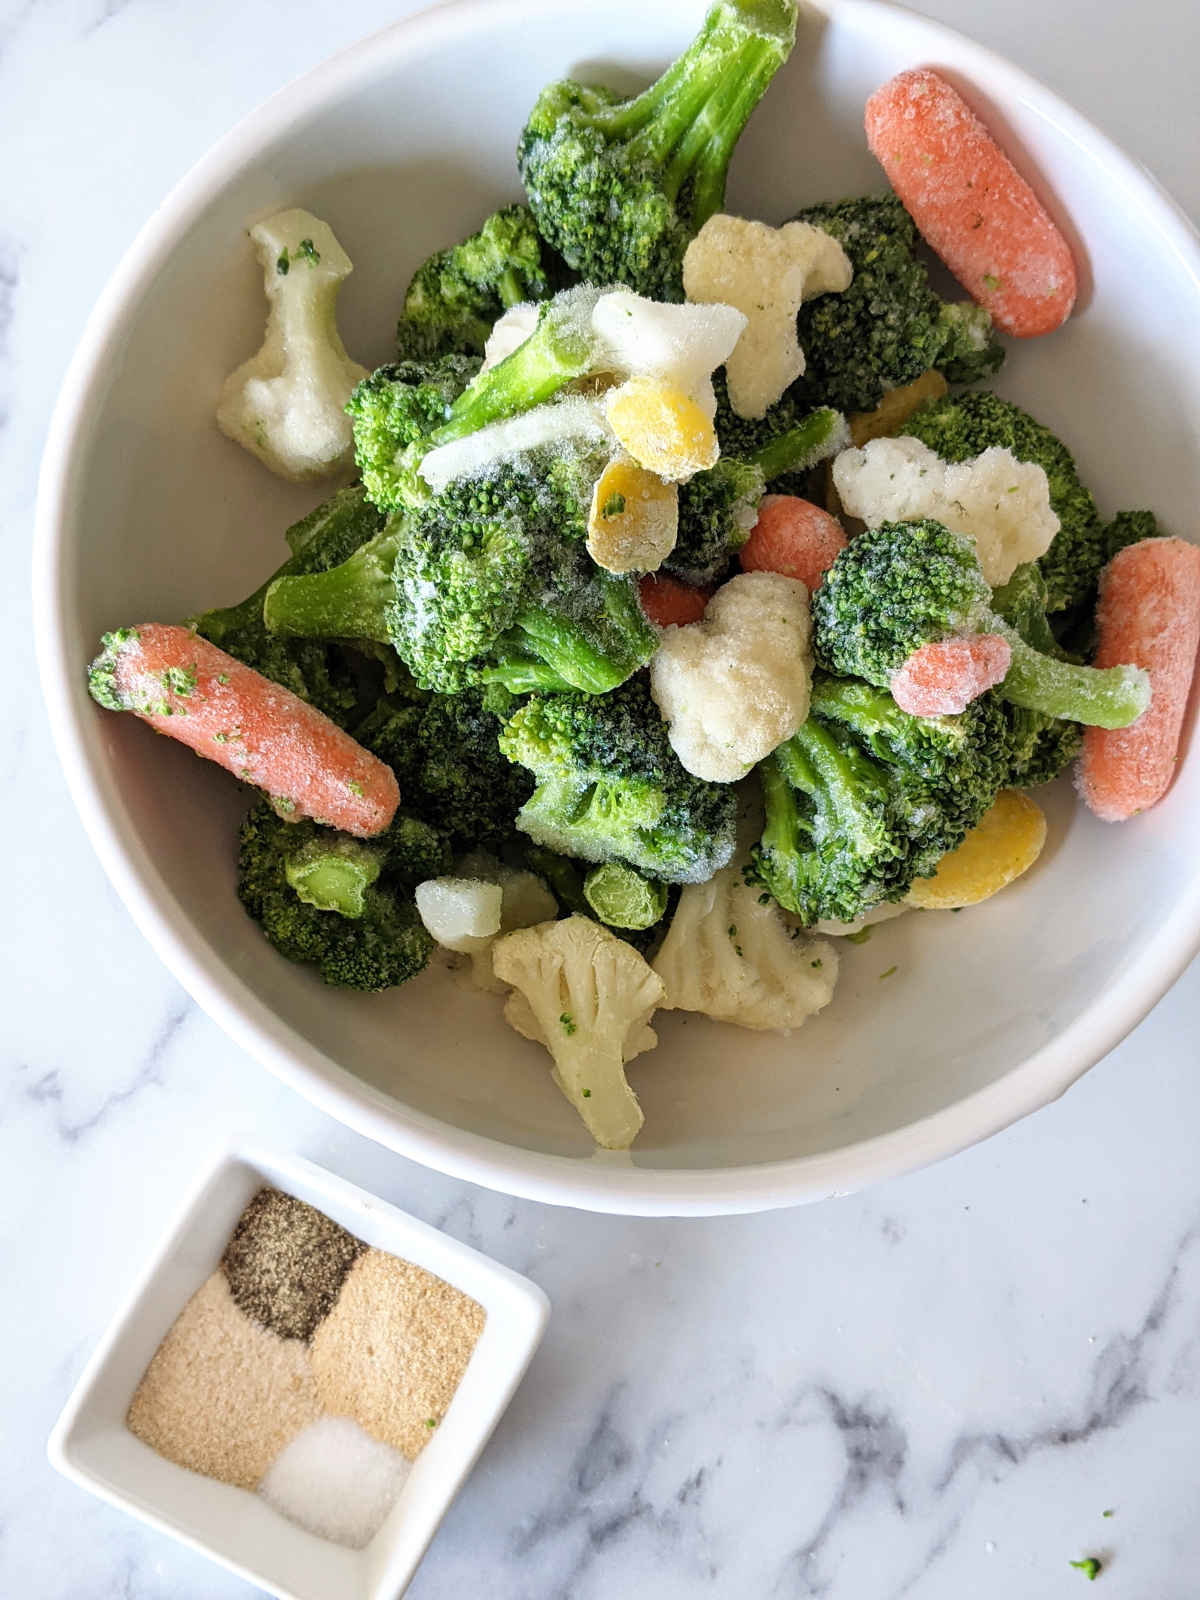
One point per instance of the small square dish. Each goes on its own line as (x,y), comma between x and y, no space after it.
(92,1443)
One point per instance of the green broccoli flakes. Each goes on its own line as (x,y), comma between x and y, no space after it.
(568,1025)
(307,251)
(614,506)
(1090,1566)
(179,680)
(282,263)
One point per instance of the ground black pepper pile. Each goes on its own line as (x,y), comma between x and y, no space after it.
(285,1263)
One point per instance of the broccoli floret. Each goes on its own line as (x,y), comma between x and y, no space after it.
(559,871)
(456,296)
(488,581)
(397,406)
(343,904)
(961,426)
(610,788)
(620,187)
(906,584)
(1126,528)
(445,752)
(311,668)
(402,412)
(1040,748)
(865,798)
(889,326)
(718,508)
(742,436)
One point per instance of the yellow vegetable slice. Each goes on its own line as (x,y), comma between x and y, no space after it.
(662,428)
(633,520)
(894,410)
(1005,844)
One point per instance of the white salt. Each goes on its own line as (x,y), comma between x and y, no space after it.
(336,1480)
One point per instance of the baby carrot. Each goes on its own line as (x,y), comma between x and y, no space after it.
(971,204)
(1148,614)
(669,603)
(941,679)
(187,688)
(793,537)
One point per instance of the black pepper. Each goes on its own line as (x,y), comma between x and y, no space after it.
(285,1264)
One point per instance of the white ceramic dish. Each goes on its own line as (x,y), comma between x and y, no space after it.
(145,511)
(92,1445)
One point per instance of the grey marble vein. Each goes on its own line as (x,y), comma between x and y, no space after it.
(49,1089)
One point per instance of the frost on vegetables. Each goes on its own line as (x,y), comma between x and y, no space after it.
(582,626)
(287,404)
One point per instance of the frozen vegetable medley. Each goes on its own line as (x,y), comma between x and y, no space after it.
(686,599)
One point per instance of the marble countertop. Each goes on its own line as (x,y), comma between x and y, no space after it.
(936,1389)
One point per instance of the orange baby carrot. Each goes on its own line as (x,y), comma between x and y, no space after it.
(971,204)
(941,679)
(669,603)
(1148,614)
(188,689)
(794,537)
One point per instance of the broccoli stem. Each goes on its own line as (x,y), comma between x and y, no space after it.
(704,155)
(785,839)
(510,289)
(347,602)
(1103,697)
(814,437)
(688,122)
(592,655)
(623,897)
(561,348)
(838,778)
(522,673)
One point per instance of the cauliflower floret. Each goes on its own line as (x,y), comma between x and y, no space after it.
(737,960)
(460,913)
(468,913)
(767,273)
(287,404)
(681,344)
(633,520)
(588,997)
(1001,503)
(735,685)
(509,332)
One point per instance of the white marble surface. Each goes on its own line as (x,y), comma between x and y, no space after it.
(933,1390)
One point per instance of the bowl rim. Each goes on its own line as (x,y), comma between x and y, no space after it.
(599,1185)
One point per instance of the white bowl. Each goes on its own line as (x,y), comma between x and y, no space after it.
(92,1445)
(147,512)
